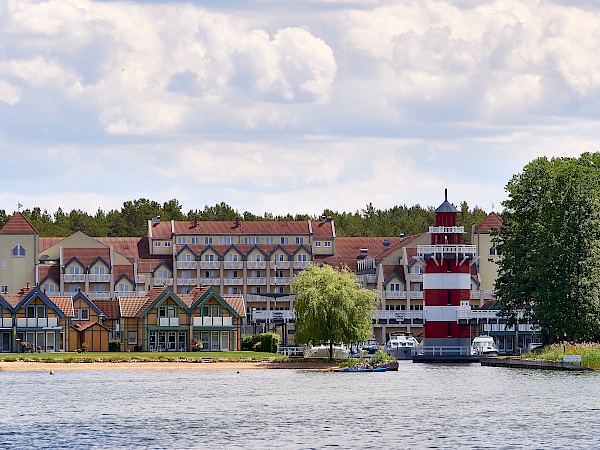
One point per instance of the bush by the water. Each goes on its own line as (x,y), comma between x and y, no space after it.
(379,357)
(114,345)
(264,342)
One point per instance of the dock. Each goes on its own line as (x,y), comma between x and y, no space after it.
(518,363)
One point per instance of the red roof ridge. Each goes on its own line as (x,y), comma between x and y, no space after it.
(18,224)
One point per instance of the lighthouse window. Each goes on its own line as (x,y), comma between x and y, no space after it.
(449,269)
(449,329)
(449,298)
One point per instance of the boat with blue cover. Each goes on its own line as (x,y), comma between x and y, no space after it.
(362,369)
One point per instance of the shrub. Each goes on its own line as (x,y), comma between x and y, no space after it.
(265,342)
(379,357)
(114,345)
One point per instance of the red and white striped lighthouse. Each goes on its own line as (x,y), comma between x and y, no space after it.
(446,284)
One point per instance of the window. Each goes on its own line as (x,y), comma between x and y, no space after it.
(226,240)
(209,274)
(493,251)
(81,313)
(186,274)
(186,257)
(317,243)
(269,240)
(18,251)
(4,289)
(257,274)
(208,240)
(209,257)
(279,257)
(186,290)
(99,270)
(232,274)
(36,312)
(285,240)
(327,243)
(279,290)
(181,240)
(232,257)
(124,287)
(167,243)
(255,290)
(48,288)
(3,263)
(301,257)
(74,270)
(210,311)
(251,240)
(395,287)
(98,288)
(418,269)
(232,291)
(167,311)
(195,240)
(299,240)
(255,257)
(74,288)
(157,243)
(163,273)
(279,274)
(132,337)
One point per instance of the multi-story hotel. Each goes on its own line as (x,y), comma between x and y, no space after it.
(247,264)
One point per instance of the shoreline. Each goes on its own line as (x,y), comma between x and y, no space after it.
(22,366)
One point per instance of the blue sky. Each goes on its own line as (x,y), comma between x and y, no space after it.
(289,106)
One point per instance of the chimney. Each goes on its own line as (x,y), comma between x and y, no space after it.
(195,224)
(237,221)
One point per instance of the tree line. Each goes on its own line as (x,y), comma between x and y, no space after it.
(132,219)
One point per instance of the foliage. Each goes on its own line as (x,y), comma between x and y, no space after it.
(331,307)
(379,357)
(550,242)
(114,345)
(197,346)
(264,342)
(132,219)
(590,354)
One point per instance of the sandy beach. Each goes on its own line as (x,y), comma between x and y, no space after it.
(136,365)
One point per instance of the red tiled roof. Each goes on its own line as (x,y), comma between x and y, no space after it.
(245,249)
(46,242)
(348,250)
(123,270)
(86,256)
(64,303)
(491,222)
(18,224)
(12,299)
(389,270)
(163,229)
(130,306)
(237,303)
(126,246)
(148,265)
(108,307)
(322,229)
(51,269)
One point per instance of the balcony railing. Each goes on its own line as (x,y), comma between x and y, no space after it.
(140,279)
(261,281)
(263,298)
(233,264)
(487,295)
(162,281)
(301,264)
(415,277)
(6,322)
(280,281)
(256,264)
(286,315)
(446,249)
(210,264)
(371,278)
(394,294)
(186,264)
(99,277)
(210,281)
(416,294)
(234,281)
(74,278)
(446,230)
(399,315)
(131,293)
(48,322)
(99,295)
(168,321)
(466,314)
(186,281)
(280,264)
(212,321)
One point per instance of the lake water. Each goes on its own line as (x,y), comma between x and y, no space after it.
(420,406)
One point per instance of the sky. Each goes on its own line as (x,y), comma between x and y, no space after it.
(289,106)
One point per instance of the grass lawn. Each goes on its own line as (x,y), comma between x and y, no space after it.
(139,356)
(590,354)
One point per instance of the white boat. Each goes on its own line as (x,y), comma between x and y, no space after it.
(322,351)
(401,345)
(484,345)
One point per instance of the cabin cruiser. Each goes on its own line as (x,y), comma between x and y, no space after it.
(371,346)
(401,346)
(484,345)
(322,351)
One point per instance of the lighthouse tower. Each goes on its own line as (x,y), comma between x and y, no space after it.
(446,285)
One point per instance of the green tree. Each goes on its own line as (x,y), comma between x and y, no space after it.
(331,307)
(550,246)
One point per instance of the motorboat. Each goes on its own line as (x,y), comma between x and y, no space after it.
(401,345)
(322,351)
(362,369)
(371,346)
(484,345)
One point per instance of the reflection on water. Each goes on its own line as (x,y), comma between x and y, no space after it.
(420,406)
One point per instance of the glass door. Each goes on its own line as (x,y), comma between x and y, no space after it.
(5,342)
(214,341)
(40,341)
(172,341)
(182,341)
(224,341)
(50,341)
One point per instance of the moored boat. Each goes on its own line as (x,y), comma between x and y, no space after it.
(322,351)
(363,369)
(484,345)
(401,345)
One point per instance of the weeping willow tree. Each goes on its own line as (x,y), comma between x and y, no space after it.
(331,307)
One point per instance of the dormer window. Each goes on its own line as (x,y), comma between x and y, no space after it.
(18,251)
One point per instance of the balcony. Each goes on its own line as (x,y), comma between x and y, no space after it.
(99,295)
(131,293)
(233,264)
(371,278)
(212,321)
(256,281)
(263,298)
(256,264)
(446,230)
(186,281)
(140,279)
(302,264)
(415,277)
(468,314)
(454,250)
(280,264)
(234,281)
(399,315)
(210,264)
(74,278)
(394,294)
(272,316)
(162,281)
(168,321)
(6,323)
(416,295)
(210,281)
(46,322)
(186,264)
(99,277)
(477,295)
(280,281)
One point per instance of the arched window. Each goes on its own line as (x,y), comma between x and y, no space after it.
(18,250)
(493,251)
